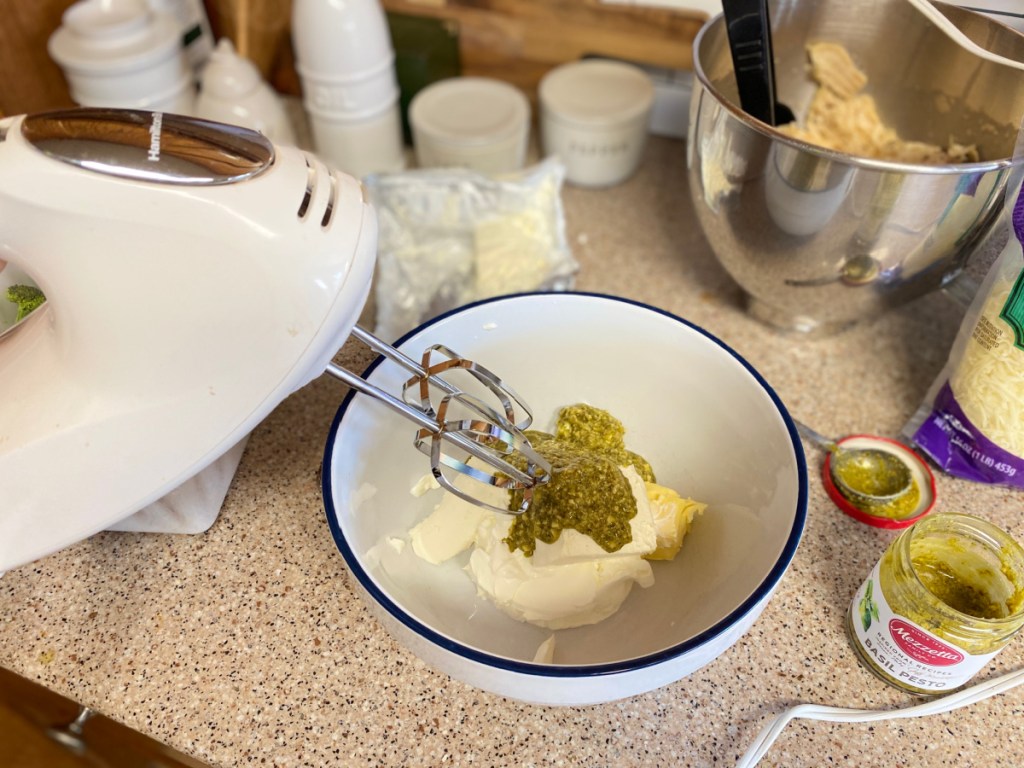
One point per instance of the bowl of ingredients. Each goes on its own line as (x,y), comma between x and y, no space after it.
(891,177)
(650,571)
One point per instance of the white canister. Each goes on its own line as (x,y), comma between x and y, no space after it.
(340,39)
(194,29)
(471,122)
(122,53)
(360,147)
(594,116)
(345,59)
(351,95)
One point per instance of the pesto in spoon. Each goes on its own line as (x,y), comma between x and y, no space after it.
(868,477)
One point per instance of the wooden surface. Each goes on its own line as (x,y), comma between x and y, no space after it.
(29,79)
(519,40)
(37,731)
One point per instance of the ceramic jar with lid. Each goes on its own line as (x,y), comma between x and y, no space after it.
(593,115)
(122,53)
(233,91)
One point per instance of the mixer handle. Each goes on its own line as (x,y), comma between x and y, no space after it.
(150,146)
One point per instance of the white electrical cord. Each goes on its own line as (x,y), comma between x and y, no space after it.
(961,698)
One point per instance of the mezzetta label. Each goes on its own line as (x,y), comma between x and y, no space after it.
(921,646)
(905,651)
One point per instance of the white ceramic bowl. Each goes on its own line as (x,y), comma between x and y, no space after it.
(709,424)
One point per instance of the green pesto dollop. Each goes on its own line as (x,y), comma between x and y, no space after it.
(593,429)
(587,490)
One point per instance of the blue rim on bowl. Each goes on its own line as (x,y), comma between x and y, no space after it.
(765,588)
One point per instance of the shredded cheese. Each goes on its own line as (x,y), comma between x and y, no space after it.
(988,382)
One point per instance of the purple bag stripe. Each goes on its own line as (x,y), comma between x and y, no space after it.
(1018,217)
(950,439)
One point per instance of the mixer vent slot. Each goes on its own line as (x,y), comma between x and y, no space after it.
(310,185)
(332,201)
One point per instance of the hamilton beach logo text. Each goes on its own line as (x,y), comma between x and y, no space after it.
(154,137)
(921,646)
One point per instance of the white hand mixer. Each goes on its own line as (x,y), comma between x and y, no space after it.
(195,275)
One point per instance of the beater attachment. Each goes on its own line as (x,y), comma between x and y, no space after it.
(449,416)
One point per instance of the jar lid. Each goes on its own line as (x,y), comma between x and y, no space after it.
(919,470)
(596,92)
(469,111)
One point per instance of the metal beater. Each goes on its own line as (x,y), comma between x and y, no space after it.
(459,419)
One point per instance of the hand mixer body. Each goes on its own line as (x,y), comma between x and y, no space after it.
(194,279)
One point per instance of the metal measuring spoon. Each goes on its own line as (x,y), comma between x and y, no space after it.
(866,476)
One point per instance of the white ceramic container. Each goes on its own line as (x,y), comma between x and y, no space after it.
(594,115)
(471,122)
(352,96)
(233,91)
(360,147)
(345,59)
(122,53)
(344,42)
(710,426)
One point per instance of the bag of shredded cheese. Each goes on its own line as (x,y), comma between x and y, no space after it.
(972,425)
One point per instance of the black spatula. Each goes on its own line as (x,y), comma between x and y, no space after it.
(750,42)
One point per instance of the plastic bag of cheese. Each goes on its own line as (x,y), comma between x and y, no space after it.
(450,236)
(972,423)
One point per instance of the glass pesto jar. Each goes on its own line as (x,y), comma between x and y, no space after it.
(942,601)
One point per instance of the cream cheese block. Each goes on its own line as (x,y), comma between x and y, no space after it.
(569,583)
(451,528)
(553,596)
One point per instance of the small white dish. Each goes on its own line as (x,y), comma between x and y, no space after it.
(709,424)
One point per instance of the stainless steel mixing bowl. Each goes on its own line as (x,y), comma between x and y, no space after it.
(820,239)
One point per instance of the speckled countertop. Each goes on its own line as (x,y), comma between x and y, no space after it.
(248,645)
